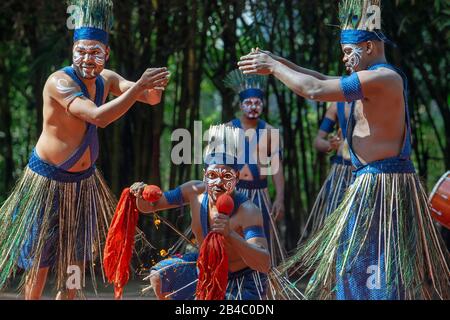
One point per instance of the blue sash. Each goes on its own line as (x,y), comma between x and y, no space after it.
(90,139)
(239,199)
(257,182)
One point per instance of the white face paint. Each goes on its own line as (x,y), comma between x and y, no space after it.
(354,54)
(220,179)
(89,59)
(66,90)
(252,107)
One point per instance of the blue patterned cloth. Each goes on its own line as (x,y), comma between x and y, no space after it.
(251,93)
(364,276)
(90,33)
(178,275)
(351,36)
(174,196)
(327,125)
(246,284)
(351,87)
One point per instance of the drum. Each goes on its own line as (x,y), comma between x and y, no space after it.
(440,201)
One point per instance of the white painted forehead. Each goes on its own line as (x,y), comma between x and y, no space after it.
(252,98)
(84,46)
(219,167)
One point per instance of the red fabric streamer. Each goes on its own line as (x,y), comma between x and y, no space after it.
(213,260)
(120,240)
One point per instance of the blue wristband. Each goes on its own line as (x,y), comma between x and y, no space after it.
(254,232)
(327,125)
(351,87)
(174,197)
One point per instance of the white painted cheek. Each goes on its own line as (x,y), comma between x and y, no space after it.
(100,59)
(212,182)
(245,109)
(77,58)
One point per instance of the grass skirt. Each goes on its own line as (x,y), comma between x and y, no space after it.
(54,219)
(380,243)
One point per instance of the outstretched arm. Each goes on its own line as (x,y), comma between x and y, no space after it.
(176,198)
(68,94)
(253,248)
(297,68)
(120,85)
(367,83)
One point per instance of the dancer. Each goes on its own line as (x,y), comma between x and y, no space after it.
(258,143)
(381,242)
(246,244)
(58,214)
(340,175)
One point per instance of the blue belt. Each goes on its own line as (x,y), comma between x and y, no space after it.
(390,165)
(252,184)
(52,172)
(243,272)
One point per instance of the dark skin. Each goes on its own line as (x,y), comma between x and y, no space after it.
(380,117)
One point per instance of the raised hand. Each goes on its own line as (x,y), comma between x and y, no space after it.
(221,224)
(155,78)
(257,62)
(270,54)
(137,188)
(335,142)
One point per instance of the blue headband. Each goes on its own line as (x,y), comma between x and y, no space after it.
(88,33)
(358,36)
(223,159)
(251,93)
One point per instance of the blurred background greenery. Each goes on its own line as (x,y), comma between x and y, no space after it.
(201,41)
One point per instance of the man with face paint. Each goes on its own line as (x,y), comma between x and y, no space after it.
(246,244)
(381,239)
(57,217)
(340,175)
(258,142)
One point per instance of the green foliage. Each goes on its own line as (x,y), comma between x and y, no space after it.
(200,42)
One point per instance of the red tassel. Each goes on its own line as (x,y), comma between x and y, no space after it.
(213,260)
(120,242)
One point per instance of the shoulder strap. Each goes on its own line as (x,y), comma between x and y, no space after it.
(238,198)
(204,215)
(90,139)
(341,118)
(405,153)
(236,123)
(406,149)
